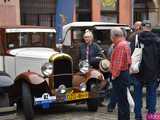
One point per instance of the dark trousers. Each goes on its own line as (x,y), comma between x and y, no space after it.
(120,86)
(113,98)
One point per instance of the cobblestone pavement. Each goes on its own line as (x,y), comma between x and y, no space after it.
(77,112)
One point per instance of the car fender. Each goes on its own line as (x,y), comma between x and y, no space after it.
(93,73)
(78,78)
(30,77)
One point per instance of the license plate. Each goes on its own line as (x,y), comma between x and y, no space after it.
(77,96)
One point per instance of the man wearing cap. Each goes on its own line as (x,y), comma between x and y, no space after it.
(148,70)
(119,68)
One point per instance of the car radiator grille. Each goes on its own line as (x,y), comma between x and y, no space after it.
(62,73)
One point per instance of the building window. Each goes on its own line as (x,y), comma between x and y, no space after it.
(37,12)
(139,1)
(109,11)
(141,10)
(83,10)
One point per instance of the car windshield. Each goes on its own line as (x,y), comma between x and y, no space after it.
(30,39)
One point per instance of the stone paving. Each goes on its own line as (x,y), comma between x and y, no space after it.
(76,112)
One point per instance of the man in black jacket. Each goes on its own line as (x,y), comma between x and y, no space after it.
(149,69)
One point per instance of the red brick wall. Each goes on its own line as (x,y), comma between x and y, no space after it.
(9,12)
(96,16)
(7,15)
(125,11)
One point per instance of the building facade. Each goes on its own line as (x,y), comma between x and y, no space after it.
(117,11)
(42,12)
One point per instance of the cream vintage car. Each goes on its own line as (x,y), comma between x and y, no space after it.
(42,75)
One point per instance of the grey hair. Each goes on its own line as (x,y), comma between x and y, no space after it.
(116,32)
(88,33)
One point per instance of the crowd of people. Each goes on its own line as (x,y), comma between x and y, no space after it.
(121,51)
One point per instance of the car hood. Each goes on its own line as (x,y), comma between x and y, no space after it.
(33,52)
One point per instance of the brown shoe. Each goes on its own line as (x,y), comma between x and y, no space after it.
(102,105)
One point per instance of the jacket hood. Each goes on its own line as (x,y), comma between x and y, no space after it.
(147,38)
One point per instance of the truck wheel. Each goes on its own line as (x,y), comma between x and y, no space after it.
(27,102)
(93,103)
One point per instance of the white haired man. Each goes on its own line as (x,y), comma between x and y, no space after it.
(119,68)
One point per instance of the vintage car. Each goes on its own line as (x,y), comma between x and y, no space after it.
(44,77)
(73,36)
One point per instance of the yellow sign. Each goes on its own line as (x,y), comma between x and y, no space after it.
(77,96)
(108,3)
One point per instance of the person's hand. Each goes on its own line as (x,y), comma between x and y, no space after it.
(113,78)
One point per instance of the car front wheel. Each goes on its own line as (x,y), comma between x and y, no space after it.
(27,102)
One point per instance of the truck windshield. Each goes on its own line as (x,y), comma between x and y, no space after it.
(30,39)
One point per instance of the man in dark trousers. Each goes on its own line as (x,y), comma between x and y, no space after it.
(148,70)
(119,68)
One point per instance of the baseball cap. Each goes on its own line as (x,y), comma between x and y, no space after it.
(146,23)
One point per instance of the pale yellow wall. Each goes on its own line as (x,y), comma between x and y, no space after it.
(9,12)
(154,13)
(158,12)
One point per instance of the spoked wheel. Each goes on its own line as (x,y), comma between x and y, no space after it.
(93,103)
(27,102)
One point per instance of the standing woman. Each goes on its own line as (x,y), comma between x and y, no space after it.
(119,68)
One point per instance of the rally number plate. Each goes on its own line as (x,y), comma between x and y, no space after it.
(77,96)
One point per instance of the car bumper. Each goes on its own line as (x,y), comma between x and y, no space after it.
(46,101)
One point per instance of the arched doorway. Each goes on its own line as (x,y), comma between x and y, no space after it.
(37,12)
(146,9)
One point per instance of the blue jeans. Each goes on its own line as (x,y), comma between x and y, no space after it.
(120,86)
(150,97)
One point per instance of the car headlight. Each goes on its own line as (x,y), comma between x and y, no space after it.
(84,66)
(83,87)
(47,69)
(62,89)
